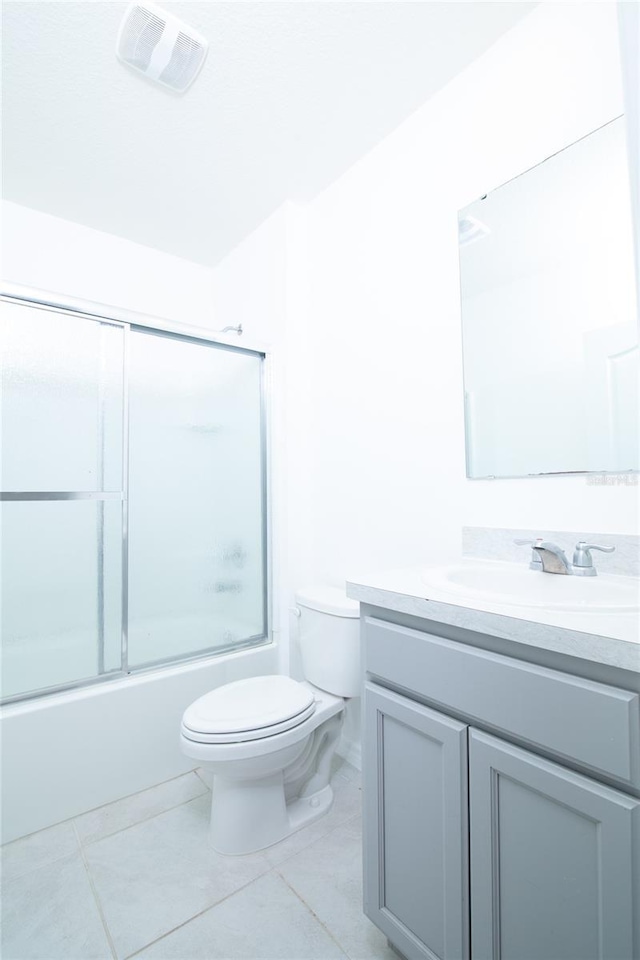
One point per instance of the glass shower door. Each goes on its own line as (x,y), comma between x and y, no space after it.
(197,525)
(132,499)
(61,500)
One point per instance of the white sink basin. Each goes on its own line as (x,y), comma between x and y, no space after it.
(511,585)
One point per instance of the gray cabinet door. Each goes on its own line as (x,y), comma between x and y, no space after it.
(555,860)
(415,826)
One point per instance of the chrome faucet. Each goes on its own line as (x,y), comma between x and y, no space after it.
(548,557)
(552,557)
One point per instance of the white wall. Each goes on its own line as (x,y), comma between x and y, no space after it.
(387,473)
(251,287)
(264,284)
(57,255)
(629,28)
(249,284)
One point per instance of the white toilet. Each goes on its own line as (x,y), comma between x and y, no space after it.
(270,740)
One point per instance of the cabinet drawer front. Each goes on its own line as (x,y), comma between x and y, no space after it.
(590,723)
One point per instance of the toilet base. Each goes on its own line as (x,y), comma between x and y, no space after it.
(243,821)
(249,813)
(305,810)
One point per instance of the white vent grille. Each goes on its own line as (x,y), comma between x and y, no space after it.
(140,37)
(186,60)
(160,46)
(470,230)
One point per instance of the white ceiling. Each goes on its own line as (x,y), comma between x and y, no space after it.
(291,94)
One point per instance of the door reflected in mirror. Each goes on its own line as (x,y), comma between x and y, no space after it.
(549,317)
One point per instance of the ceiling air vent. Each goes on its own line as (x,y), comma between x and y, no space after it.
(470,230)
(160,46)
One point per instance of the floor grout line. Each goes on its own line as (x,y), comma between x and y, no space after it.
(200,777)
(306,846)
(44,864)
(83,846)
(313,914)
(138,823)
(76,816)
(271,869)
(268,869)
(112,945)
(90,842)
(201,913)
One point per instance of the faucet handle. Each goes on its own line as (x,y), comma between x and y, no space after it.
(582,554)
(535,563)
(581,545)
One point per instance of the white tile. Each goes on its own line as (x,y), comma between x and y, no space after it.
(51,913)
(124,813)
(264,921)
(347,804)
(328,877)
(37,850)
(160,873)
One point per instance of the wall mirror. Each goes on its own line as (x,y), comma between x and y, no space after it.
(549,317)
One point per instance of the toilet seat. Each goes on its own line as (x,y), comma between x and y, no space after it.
(248,710)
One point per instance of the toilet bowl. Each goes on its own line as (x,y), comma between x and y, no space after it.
(270,740)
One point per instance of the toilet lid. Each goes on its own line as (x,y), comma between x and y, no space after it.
(249,709)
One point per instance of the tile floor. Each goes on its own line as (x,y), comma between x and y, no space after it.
(137,878)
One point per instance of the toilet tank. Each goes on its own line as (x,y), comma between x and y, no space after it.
(330,639)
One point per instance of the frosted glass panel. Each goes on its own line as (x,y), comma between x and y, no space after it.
(196,537)
(62,389)
(60,592)
(192,542)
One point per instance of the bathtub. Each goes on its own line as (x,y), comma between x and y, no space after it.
(70,752)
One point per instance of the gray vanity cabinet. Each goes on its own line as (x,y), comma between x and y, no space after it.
(480,847)
(552,859)
(416,851)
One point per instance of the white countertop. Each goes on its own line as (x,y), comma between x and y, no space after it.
(609,638)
